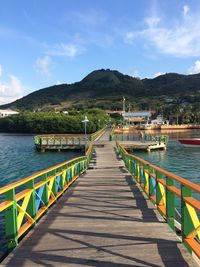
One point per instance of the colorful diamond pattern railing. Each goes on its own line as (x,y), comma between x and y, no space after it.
(163,187)
(25,201)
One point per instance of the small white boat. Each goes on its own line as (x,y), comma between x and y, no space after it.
(190,142)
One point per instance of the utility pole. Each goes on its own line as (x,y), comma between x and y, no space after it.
(129,110)
(124,108)
(177,118)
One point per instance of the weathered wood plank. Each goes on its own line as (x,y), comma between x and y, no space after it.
(103,220)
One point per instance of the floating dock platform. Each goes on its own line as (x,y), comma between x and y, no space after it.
(138,145)
(60,142)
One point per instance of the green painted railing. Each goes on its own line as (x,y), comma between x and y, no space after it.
(119,136)
(24,202)
(58,139)
(65,139)
(158,138)
(165,189)
(97,134)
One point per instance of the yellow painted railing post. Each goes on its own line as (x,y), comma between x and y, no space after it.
(158,191)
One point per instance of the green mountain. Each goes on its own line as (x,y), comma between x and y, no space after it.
(103,88)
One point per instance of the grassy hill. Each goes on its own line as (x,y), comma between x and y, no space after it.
(105,88)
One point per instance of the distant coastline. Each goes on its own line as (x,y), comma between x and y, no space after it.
(158,127)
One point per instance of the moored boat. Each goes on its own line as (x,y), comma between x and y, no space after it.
(190,142)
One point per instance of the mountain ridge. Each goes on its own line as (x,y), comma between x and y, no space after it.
(109,85)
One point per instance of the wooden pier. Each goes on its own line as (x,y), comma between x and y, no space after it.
(138,145)
(104,219)
(60,142)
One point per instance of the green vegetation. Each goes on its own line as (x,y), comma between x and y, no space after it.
(48,122)
(172,95)
(104,89)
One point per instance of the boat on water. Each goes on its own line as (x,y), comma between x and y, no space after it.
(190,142)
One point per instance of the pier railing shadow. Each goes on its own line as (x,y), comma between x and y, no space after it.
(89,240)
(77,245)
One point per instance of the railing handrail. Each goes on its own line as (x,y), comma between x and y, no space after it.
(195,187)
(25,201)
(35,175)
(159,138)
(58,135)
(161,187)
(92,136)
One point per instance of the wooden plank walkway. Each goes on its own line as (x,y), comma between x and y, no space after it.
(103,220)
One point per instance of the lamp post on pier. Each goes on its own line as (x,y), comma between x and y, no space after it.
(85,122)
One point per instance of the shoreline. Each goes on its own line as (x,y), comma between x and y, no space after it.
(157,127)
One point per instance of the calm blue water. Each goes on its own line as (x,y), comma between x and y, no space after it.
(19,158)
(178,159)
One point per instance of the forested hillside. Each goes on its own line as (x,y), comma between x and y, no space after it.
(107,87)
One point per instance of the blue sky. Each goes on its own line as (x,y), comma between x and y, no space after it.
(46,42)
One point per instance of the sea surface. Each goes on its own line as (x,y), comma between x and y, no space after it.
(19,159)
(183,161)
(180,160)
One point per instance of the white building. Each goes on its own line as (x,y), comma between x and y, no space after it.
(159,121)
(7,112)
(140,117)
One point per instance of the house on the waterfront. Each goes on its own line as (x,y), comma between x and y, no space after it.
(139,117)
(160,121)
(7,112)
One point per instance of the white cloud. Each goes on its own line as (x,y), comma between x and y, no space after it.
(181,41)
(43,65)
(179,37)
(186,10)
(134,73)
(11,90)
(158,74)
(152,21)
(195,69)
(68,50)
